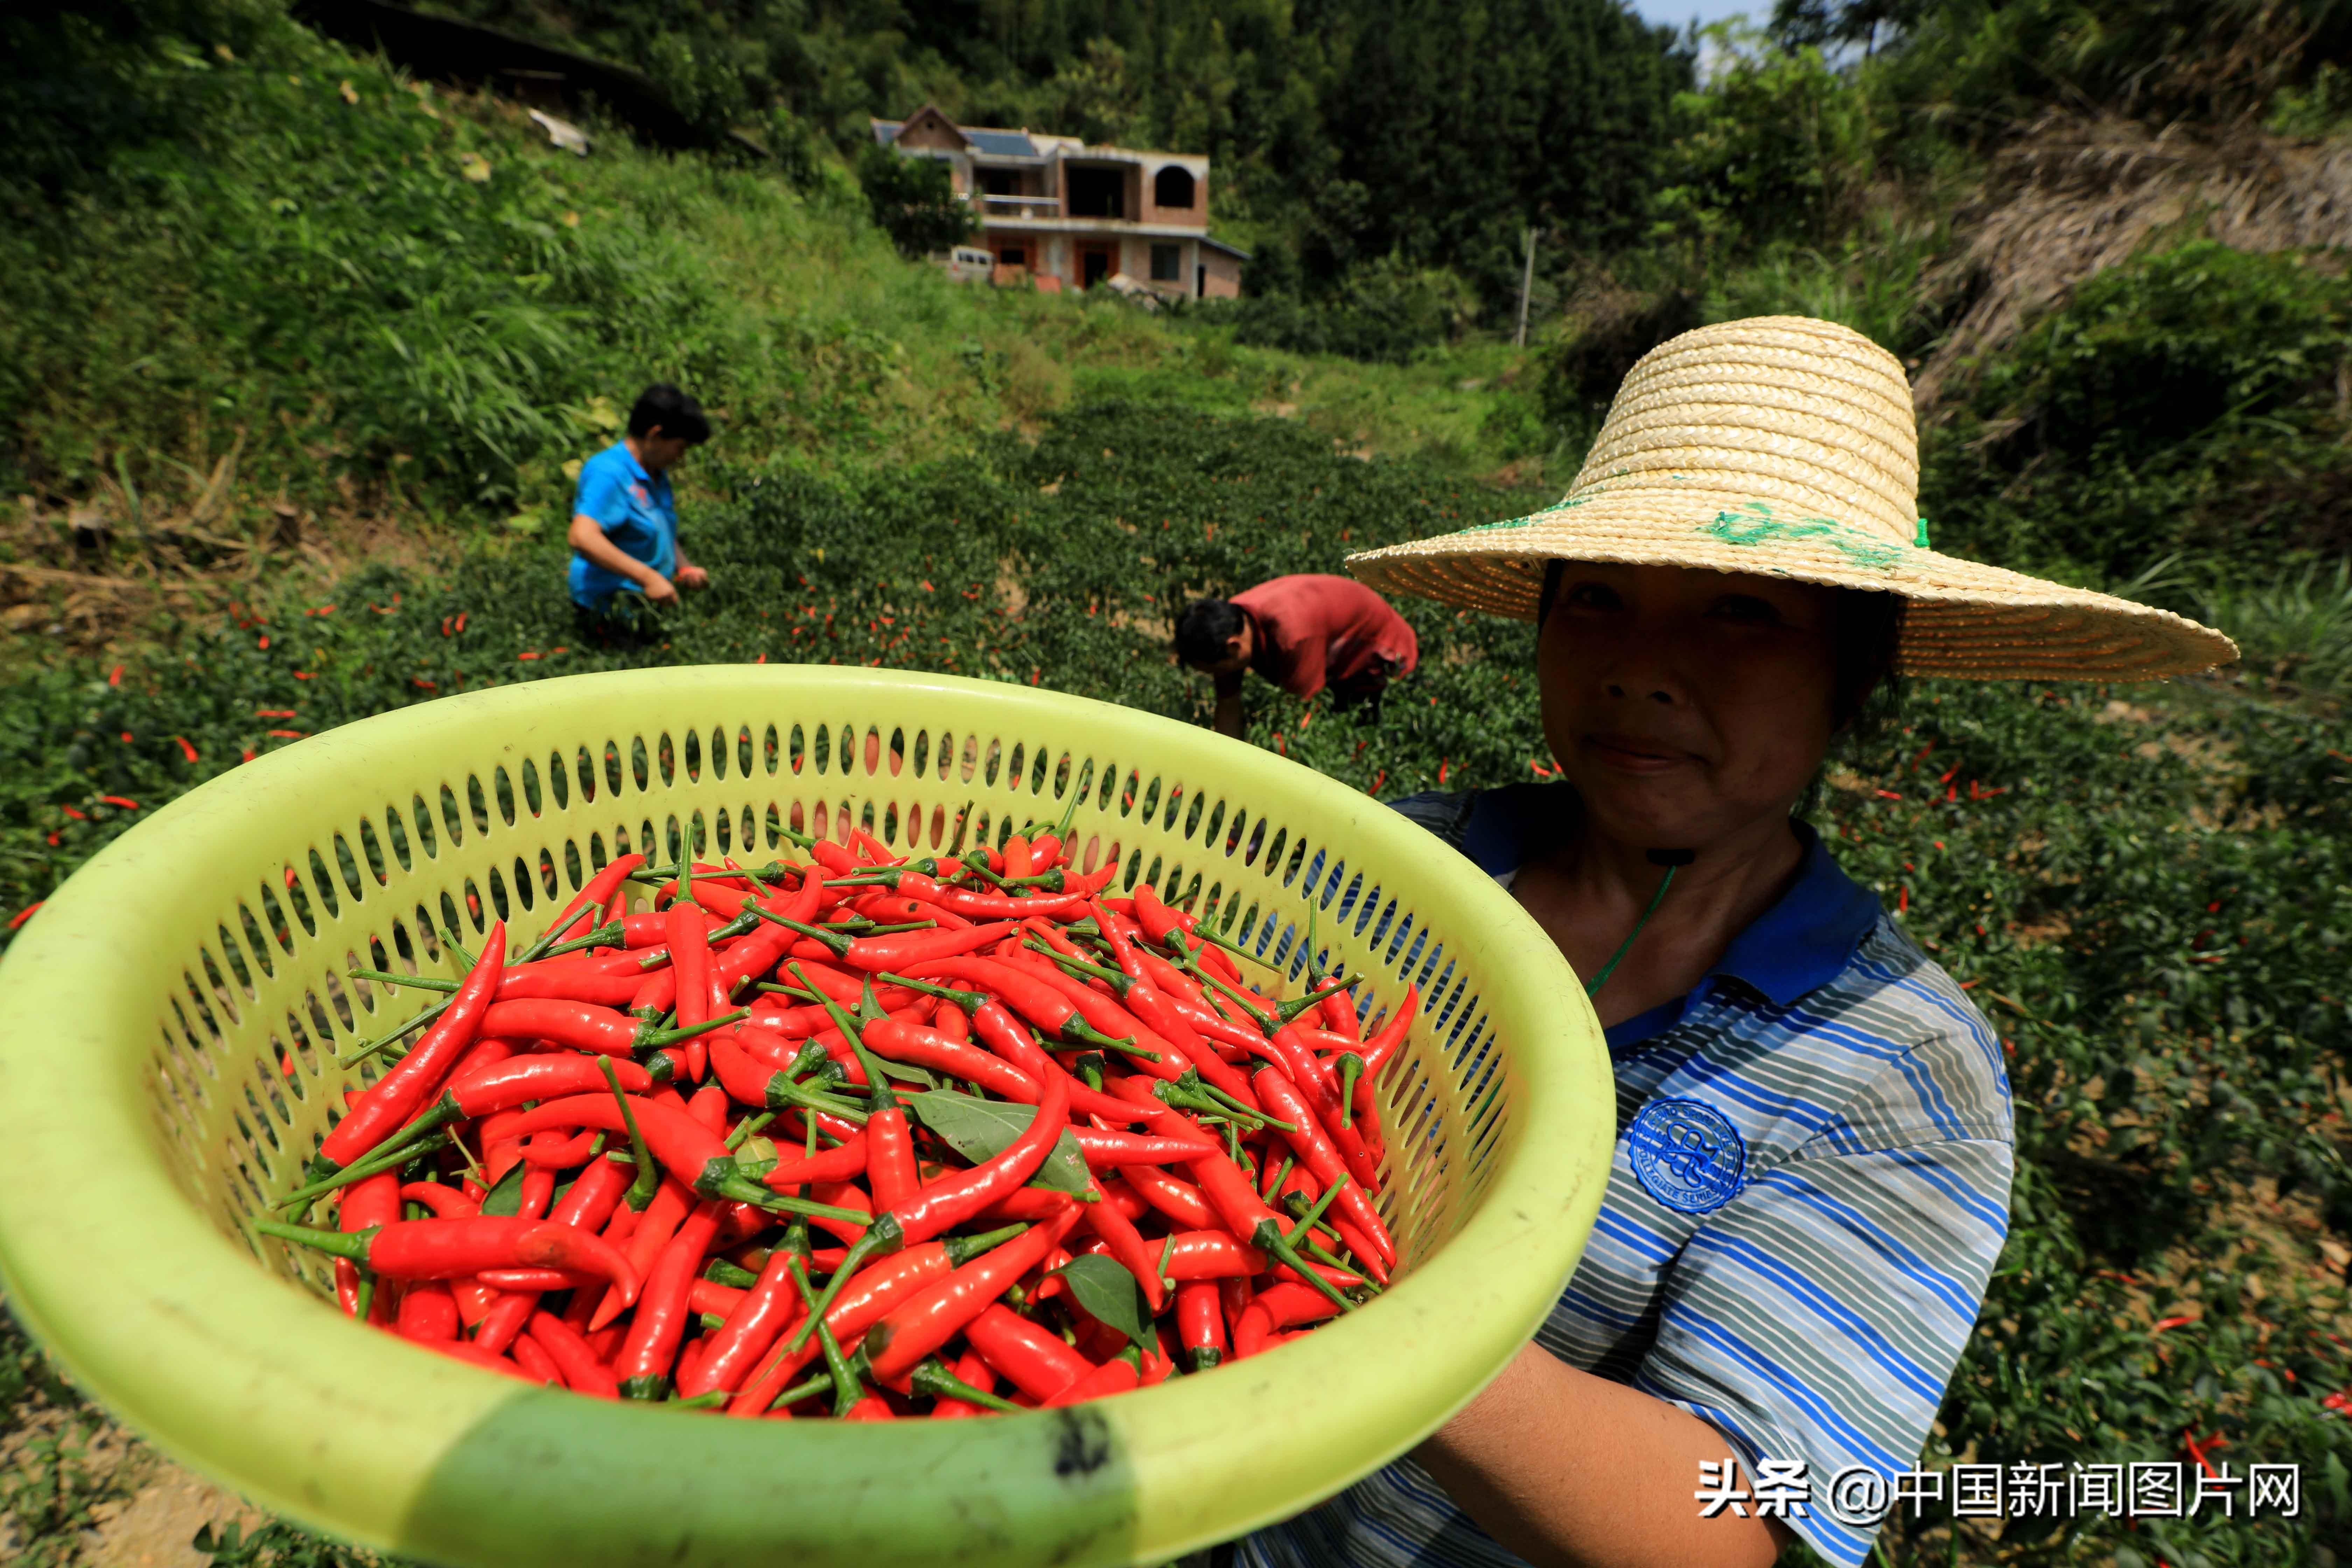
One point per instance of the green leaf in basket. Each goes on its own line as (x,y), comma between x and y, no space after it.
(983,1129)
(1111,1294)
(506,1196)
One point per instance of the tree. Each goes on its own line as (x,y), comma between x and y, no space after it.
(914,201)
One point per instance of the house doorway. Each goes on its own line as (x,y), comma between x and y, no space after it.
(1096,262)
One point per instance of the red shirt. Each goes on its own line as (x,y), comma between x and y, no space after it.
(1313,631)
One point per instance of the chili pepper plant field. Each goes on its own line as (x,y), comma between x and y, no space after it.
(2148,890)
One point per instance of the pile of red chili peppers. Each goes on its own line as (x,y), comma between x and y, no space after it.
(862,1135)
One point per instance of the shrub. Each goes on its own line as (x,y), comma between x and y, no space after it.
(2187,401)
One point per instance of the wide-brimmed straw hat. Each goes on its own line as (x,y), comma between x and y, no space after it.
(1784,446)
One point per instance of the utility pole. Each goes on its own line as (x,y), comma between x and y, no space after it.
(1527,284)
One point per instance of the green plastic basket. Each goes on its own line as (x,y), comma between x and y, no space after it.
(174,1011)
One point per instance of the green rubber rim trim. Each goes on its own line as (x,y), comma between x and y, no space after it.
(146,1110)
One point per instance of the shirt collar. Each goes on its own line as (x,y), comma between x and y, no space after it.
(1798,944)
(636,469)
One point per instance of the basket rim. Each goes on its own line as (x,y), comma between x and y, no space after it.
(239,1374)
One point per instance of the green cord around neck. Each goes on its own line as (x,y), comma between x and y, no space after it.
(1592,987)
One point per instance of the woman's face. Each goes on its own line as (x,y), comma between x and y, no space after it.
(1683,704)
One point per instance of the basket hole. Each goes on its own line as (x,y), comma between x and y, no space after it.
(613,767)
(666,760)
(691,753)
(640,763)
(1107,786)
(1216,822)
(559,783)
(1192,817)
(889,830)
(745,755)
(533,797)
(1060,780)
(324,885)
(367,862)
(922,757)
(395,839)
(1090,855)
(273,916)
(478,799)
(796,748)
(897,752)
(234,971)
(970,760)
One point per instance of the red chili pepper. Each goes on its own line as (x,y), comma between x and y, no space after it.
(1018,860)
(659,1323)
(581,1027)
(1034,1361)
(589,900)
(452,1249)
(765,1312)
(1179,1200)
(691,1152)
(395,1095)
(1316,1149)
(895,1040)
(1108,1150)
(583,1373)
(1200,1323)
(364,1206)
(446,1203)
(427,1314)
(1111,1377)
(914,1329)
(1127,1246)
(890,1158)
(951,1200)
(908,950)
(865,1300)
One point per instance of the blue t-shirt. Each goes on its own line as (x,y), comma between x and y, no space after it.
(1809,1187)
(635,509)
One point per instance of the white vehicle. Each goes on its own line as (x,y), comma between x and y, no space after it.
(970,263)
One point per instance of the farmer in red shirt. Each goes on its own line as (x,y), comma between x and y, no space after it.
(1303,634)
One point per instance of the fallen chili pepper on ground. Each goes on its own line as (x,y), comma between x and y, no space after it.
(1060,1147)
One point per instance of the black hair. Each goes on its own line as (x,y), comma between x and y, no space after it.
(676,414)
(1865,634)
(1204,630)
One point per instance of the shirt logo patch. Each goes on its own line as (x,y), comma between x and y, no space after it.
(639,491)
(1687,1154)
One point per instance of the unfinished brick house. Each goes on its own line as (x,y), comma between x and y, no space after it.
(1062,215)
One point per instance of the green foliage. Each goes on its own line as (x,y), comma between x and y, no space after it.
(2187,401)
(2295,628)
(1384,313)
(2152,909)
(1984,66)
(1778,147)
(914,201)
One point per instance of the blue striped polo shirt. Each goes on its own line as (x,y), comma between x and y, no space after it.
(1808,1191)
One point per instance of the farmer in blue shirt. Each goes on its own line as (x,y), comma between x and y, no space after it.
(625,521)
(1811,1182)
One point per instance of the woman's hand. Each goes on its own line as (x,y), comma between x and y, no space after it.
(1565,1467)
(692,576)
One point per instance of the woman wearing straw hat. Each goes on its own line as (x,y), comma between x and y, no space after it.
(1811,1182)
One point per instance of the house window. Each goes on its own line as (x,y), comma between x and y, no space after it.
(1167,264)
(999,181)
(1011,256)
(1098,193)
(1172,187)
